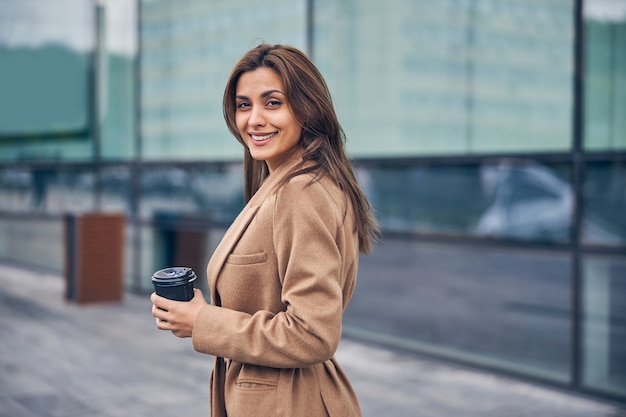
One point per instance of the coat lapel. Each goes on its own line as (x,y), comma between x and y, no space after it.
(225,247)
(240,224)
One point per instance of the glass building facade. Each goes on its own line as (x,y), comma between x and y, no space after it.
(490,137)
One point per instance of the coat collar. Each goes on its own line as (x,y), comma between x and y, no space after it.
(239,225)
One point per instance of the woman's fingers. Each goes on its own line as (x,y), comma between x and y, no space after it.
(158,312)
(159,301)
(177,316)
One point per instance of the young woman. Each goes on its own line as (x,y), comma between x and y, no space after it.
(286,268)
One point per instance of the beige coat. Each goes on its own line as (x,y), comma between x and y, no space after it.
(280,281)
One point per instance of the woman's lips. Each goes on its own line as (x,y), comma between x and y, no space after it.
(261,138)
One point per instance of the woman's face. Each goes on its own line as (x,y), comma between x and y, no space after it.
(264,117)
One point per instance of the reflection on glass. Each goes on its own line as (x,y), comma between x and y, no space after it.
(71,191)
(499,307)
(605,203)
(16,189)
(116,183)
(215,191)
(44,189)
(604,324)
(529,201)
(506,198)
(417,198)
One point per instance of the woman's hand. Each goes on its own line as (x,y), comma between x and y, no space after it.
(177,316)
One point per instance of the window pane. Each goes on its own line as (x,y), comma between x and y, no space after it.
(72,190)
(45,61)
(453,77)
(17,189)
(46,190)
(116,189)
(507,198)
(188,51)
(604,324)
(118,127)
(45,58)
(605,81)
(605,203)
(508,308)
(215,192)
(33,241)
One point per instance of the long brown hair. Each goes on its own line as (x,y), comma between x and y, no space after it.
(322,137)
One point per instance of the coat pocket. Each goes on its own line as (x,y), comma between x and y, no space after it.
(253,391)
(257,377)
(253,258)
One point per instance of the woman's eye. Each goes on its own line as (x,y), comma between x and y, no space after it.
(242,105)
(274,103)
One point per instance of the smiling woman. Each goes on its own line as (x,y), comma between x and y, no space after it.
(285,270)
(264,118)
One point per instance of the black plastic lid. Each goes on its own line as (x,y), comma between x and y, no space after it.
(174,275)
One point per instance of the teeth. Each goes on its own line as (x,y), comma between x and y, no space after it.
(259,138)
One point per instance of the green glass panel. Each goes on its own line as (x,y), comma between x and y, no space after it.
(605,82)
(45,80)
(448,77)
(604,324)
(188,50)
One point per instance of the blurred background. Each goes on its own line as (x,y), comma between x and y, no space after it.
(489,135)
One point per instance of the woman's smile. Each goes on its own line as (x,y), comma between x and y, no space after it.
(264,117)
(260,137)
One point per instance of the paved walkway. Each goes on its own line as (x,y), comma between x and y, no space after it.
(60,359)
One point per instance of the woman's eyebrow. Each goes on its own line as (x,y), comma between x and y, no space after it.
(263,95)
(270,92)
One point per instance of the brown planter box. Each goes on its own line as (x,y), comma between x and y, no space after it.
(94,257)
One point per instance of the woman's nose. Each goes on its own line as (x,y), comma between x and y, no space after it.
(256,117)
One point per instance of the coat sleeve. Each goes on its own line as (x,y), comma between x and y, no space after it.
(306,238)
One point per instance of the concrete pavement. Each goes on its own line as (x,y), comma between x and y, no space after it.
(60,359)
